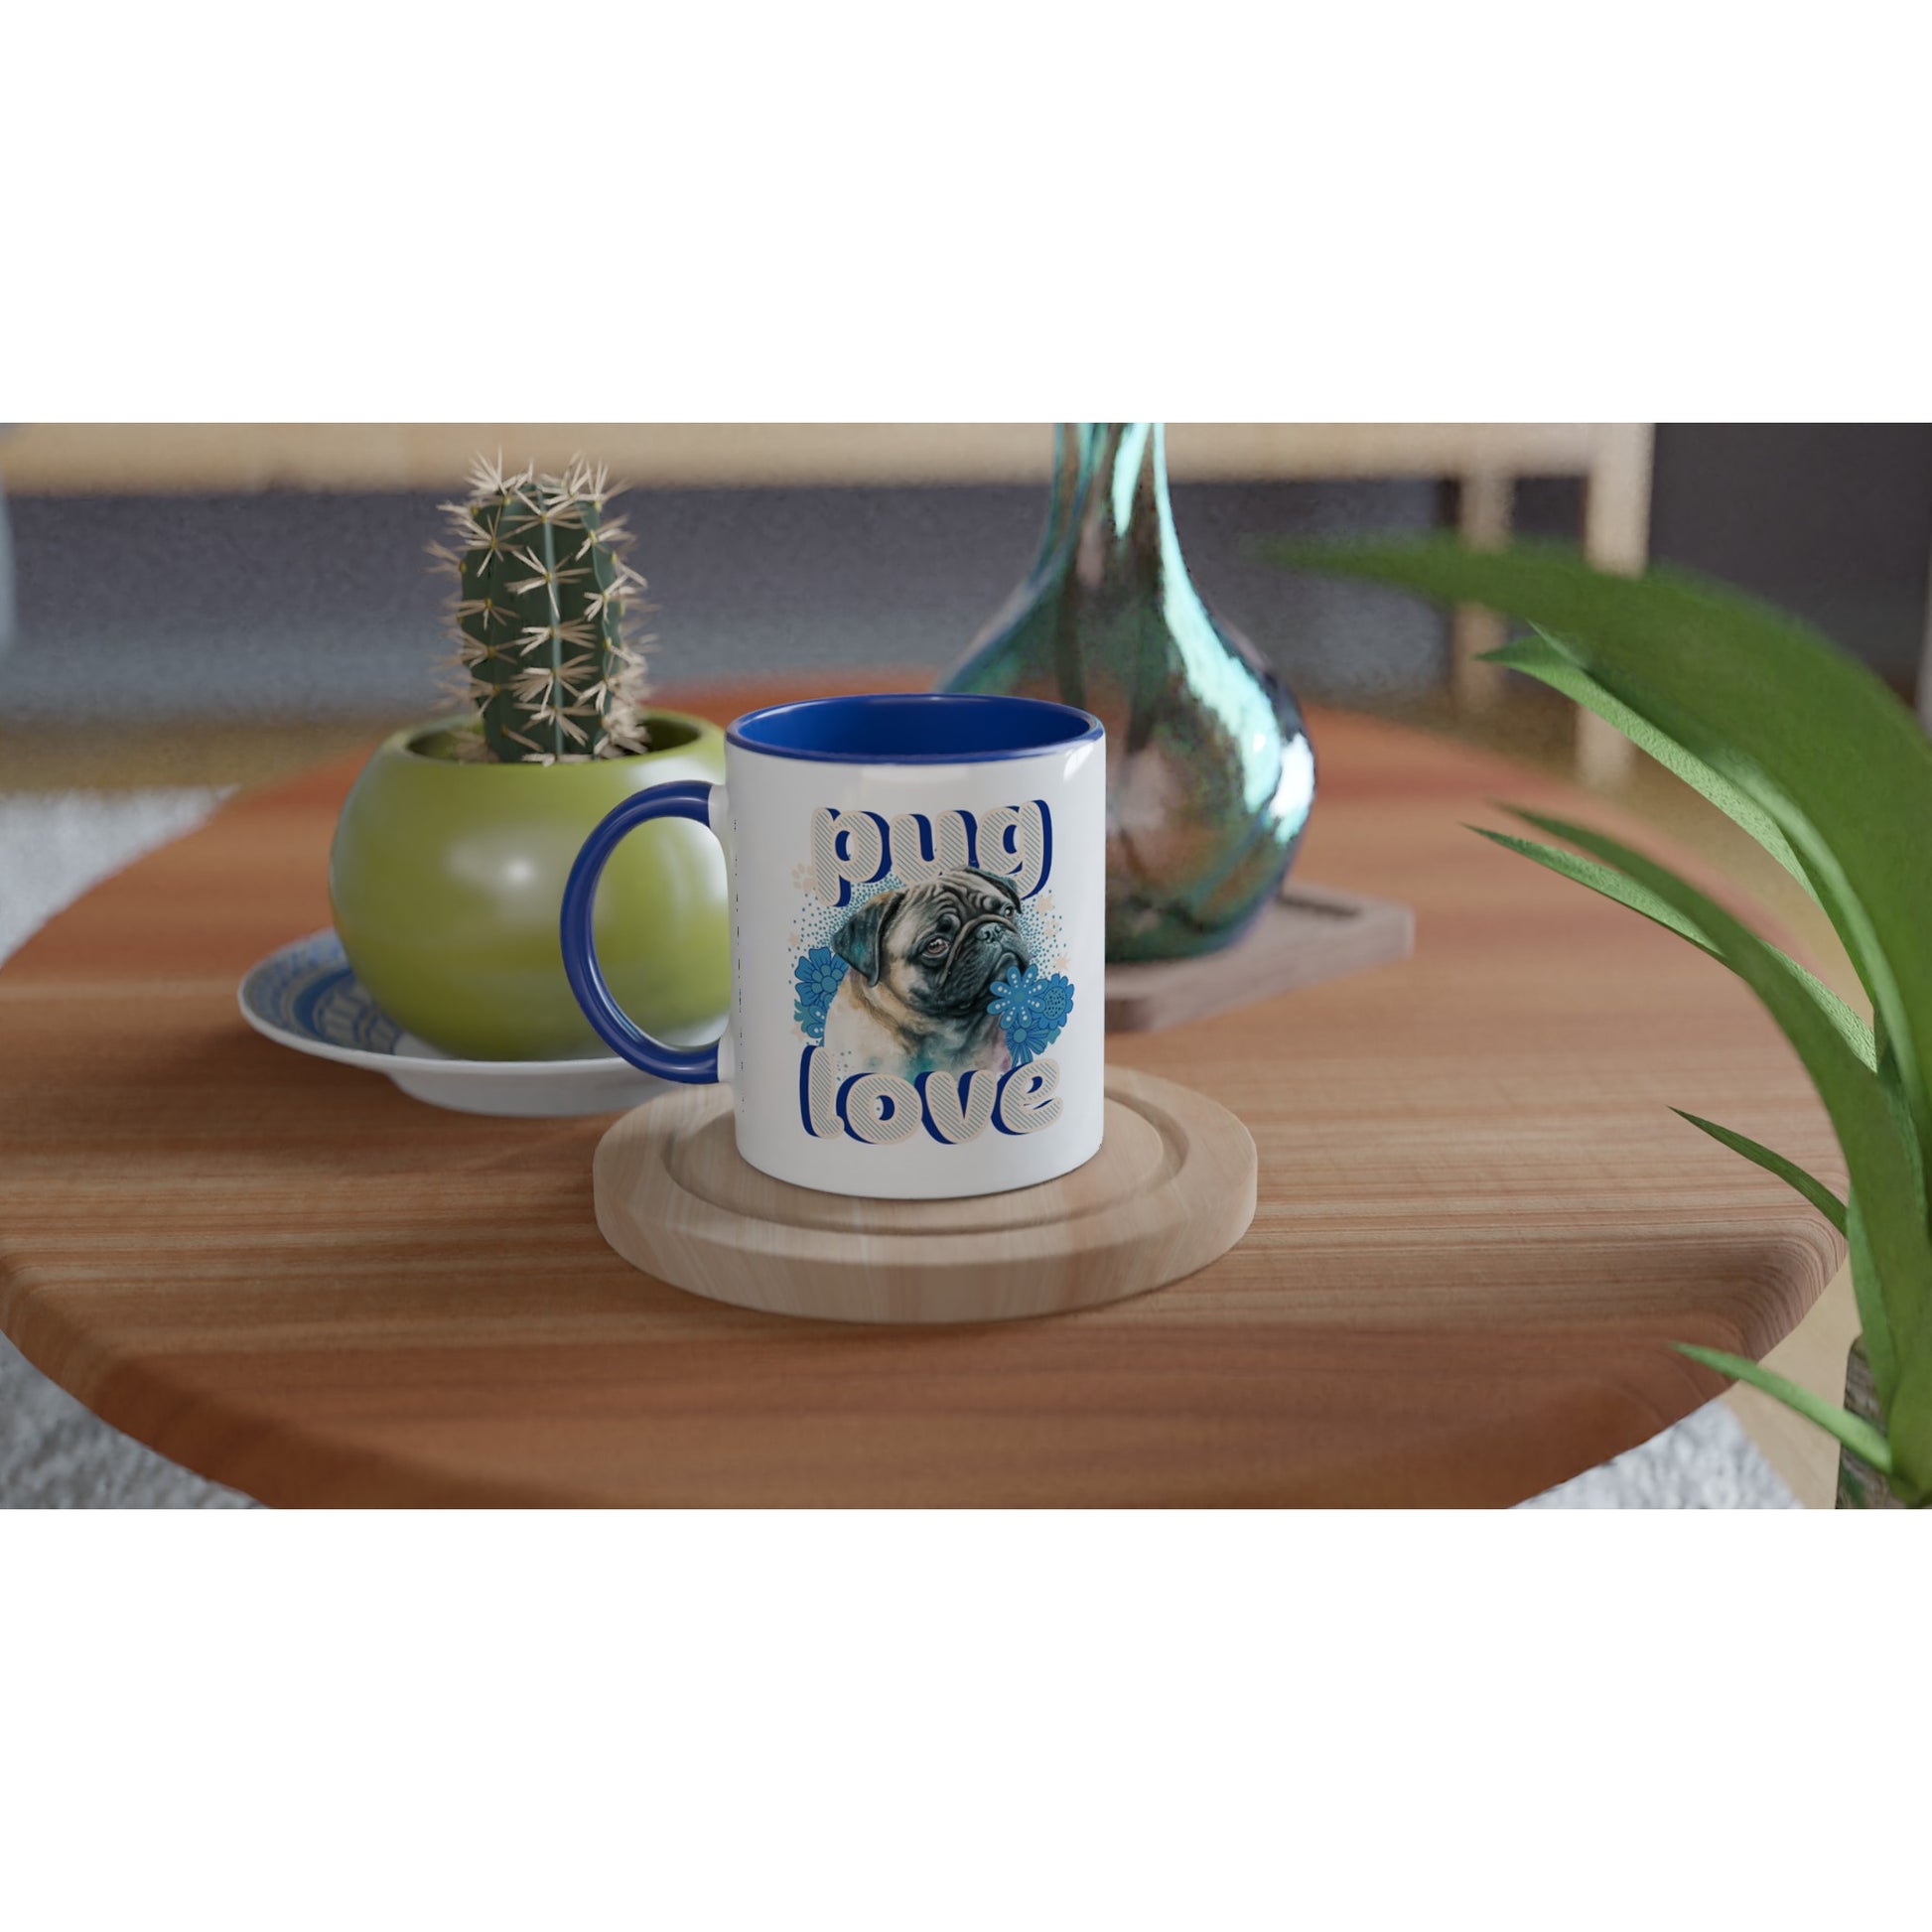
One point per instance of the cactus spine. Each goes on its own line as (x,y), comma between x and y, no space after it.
(542,594)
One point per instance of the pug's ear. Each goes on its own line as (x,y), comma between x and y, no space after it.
(861,941)
(1004,884)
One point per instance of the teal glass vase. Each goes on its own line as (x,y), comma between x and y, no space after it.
(1210,775)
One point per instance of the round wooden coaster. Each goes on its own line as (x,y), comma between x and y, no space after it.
(1172,1188)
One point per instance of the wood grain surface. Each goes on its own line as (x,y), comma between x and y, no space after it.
(1479,1227)
(1172,1188)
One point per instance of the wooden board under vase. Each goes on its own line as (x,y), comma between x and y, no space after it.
(1311,933)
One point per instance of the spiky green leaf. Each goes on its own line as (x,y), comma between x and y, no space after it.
(1544,658)
(1854,1432)
(1625,890)
(1788,1172)
(1869,1293)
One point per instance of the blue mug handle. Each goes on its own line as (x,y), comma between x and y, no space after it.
(616,1028)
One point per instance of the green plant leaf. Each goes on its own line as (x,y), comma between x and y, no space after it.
(1809,736)
(1866,1291)
(1788,1172)
(1544,658)
(1854,1432)
(1625,890)
(1603,878)
(1881,1164)
(1883,989)
(1891,1085)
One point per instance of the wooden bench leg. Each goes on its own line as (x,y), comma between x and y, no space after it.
(1484,521)
(1616,536)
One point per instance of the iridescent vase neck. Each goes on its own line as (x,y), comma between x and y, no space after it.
(1109,517)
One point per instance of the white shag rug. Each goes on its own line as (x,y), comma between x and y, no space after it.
(55,1454)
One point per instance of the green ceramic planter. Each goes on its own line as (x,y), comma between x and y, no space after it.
(448,879)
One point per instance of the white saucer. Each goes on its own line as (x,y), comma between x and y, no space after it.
(306,996)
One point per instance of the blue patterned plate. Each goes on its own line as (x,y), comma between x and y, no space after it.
(307,995)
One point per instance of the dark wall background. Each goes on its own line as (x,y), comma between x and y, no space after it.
(1832,519)
(284,604)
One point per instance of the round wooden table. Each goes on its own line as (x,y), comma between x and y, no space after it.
(1480,1225)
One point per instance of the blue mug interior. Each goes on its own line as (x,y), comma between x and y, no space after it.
(914,728)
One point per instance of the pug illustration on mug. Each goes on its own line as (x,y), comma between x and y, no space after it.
(921,965)
(917,889)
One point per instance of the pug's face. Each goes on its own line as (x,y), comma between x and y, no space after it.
(937,947)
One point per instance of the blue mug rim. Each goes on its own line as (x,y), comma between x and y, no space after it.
(958,724)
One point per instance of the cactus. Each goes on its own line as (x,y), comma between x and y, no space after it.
(543,591)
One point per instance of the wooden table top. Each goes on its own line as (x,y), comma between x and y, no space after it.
(1480,1226)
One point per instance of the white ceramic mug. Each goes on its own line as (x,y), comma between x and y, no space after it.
(917,888)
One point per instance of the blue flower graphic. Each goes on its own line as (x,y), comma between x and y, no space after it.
(1031,1008)
(818,973)
(1028,1035)
(1053,1000)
